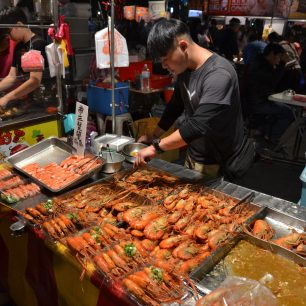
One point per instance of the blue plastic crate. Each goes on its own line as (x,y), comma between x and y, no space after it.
(99,99)
(303,193)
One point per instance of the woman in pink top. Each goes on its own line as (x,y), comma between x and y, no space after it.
(6,53)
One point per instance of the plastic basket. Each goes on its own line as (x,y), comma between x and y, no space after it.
(99,99)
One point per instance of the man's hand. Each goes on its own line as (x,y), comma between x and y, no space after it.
(4,101)
(144,156)
(146,139)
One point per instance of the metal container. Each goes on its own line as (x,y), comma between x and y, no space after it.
(113,161)
(112,141)
(280,222)
(131,150)
(51,150)
(212,272)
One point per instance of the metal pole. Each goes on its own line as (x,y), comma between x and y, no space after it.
(34,26)
(112,60)
(58,63)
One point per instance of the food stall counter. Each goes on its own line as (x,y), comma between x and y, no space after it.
(37,272)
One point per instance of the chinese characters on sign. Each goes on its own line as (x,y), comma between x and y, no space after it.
(79,136)
(241,7)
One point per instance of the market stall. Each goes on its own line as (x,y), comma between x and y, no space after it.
(36,114)
(51,259)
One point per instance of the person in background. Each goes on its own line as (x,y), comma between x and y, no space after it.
(293,75)
(6,52)
(262,79)
(203,35)
(206,91)
(274,37)
(229,41)
(25,39)
(214,33)
(254,47)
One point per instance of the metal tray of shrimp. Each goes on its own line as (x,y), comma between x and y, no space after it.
(212,271)
(50,150)
(281,223)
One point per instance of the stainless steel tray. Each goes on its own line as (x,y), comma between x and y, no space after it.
(111,141)
(51,150)
(282,223)
(211,273)
(45,152)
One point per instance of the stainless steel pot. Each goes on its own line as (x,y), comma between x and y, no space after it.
(130,151)
(113,161)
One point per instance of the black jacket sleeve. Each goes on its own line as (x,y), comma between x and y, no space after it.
(205,118)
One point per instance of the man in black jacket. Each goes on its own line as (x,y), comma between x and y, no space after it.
(262,80)
(206,92)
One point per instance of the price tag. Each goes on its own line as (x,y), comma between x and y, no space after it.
(80,126)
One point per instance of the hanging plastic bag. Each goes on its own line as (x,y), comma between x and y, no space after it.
(32,61)
(52,58)
(103,47)
(239,291)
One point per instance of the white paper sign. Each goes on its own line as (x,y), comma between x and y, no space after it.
(80,126)
(121,52)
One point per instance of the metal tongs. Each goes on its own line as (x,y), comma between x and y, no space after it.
(89,163)
(126,175)
(246,199)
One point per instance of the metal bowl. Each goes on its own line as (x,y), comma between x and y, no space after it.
(130,150)
(113,161)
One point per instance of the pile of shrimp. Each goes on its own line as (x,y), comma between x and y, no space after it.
(14,188)
(127,233)
(58,176)
(4,173)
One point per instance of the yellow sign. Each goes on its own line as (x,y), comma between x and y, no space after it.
(15,140)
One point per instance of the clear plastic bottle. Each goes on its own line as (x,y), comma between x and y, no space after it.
(145,78)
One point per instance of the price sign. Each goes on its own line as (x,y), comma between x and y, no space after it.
(79,135)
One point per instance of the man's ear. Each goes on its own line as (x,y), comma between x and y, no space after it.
(183,44)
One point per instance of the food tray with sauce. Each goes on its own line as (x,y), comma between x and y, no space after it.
(214,269)
(280,222)
(48,151)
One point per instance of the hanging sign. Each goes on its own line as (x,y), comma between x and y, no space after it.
(218,7)
(79,135)
(241,7)
(282,8)
(141,13)
(121,52)
(129,12)
(298,9)
(157,9)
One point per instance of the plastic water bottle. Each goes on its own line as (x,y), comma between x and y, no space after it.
(145,78)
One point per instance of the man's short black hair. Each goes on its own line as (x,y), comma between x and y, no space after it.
(274,37)
(273,47)
(12,15)
(234,21)
(162,36)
